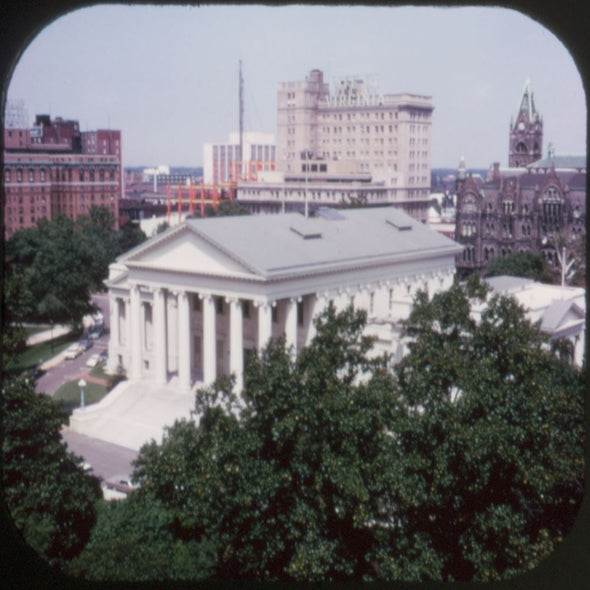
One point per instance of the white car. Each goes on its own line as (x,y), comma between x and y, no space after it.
(93,360)
(74,351)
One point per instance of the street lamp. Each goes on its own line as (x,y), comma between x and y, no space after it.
(81,385)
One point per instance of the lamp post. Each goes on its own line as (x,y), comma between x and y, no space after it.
(81,385)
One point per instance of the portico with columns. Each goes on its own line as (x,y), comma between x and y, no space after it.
(192,303)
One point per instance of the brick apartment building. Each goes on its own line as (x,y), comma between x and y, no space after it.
(54,168)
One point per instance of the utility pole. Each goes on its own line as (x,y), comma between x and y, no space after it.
(241,97)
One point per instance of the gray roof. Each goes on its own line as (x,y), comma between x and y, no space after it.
(507,283)
(274,245)
(554,315)
(560,162)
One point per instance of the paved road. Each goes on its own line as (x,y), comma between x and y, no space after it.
(74,369)
(107,460)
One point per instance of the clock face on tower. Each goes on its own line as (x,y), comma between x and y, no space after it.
(521,126)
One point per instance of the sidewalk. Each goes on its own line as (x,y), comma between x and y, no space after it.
(58,330)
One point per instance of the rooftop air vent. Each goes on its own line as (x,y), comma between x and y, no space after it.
(306,233)
(399,226)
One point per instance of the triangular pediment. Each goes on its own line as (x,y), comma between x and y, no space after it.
(560,314)
(188,252)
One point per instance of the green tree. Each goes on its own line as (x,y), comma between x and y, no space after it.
(129,236)
(54,259)
(100,242)
(283,481)
(226,208)
(16,307)
(133,540)
(530,265)
(50,499)
(464,462)
(489,438)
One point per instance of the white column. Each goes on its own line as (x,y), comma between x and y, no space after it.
(320,303)
(291,324)
(264,324)
(160,337)
(236,335)
(209,340)
(184,341)
(114,334)
(135,336)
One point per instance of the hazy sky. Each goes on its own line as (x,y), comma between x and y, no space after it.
(168,76)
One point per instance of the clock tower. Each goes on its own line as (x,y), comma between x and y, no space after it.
(526,132)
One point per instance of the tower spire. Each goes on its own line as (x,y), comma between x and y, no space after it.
(526,131)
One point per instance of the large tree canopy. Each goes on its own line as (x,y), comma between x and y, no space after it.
(490,439)
(50,499)
(59,263)
(463,462)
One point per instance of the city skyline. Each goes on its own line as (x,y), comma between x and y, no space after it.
(168,76)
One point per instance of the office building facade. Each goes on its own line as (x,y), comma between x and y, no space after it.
(54,168)
(384,136)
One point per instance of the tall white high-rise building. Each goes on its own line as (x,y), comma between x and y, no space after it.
(222,162)
(387,136)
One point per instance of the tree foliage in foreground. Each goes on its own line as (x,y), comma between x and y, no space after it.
(50,499)
(463,463)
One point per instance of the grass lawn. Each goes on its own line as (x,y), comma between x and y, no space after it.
(99,373)
(30,330)
(38,353)
(69,395)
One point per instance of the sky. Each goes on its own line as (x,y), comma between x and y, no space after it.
(168,76)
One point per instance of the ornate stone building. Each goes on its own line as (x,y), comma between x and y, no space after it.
(526,132)
(523,208)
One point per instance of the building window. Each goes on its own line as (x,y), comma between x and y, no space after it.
(7,175)
(31,175)
(19,175)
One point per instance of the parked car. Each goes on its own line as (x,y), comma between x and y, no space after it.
(74,351)
(121,483)
(85,344)
(104,355)
(94,360)
(86,467)
(97,317)
(96,332)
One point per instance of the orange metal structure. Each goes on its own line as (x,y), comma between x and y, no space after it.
(209,193)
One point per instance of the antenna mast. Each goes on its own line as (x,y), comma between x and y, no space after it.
(241,121)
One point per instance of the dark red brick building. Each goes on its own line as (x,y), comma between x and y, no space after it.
(53,168)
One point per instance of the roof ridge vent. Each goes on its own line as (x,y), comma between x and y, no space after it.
(306,234)
(399,226)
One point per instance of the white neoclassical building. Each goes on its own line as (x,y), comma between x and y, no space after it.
(190,304)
